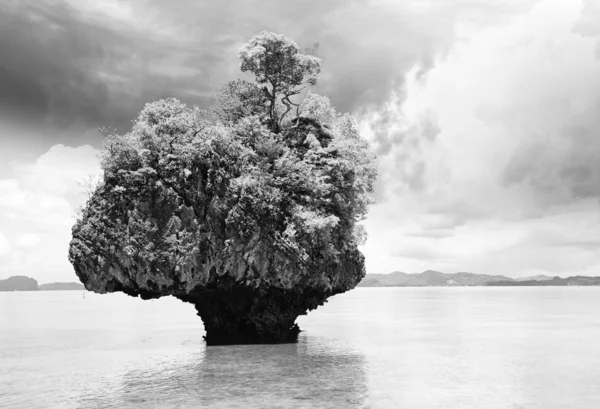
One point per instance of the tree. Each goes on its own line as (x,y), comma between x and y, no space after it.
(253,223)
(280,69)
(239,99)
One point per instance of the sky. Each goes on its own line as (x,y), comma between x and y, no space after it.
(484,115)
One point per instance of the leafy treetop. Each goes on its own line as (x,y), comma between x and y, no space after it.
(279,69)
(238,189)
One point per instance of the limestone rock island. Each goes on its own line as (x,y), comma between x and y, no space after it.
(249,210)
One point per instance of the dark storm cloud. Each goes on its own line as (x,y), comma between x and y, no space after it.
(48,61)
(68,67)
(564,169)
(60,69)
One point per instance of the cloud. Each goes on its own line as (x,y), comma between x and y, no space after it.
(484,116)
(564,167)
(429,233)
(10,193)
(451,214)
(424,252)
(509,178)
(57,175)
(4,245)
(42,199)
(70,67)
(28,240)
(587,24)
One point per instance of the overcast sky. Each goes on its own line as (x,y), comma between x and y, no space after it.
(485,116)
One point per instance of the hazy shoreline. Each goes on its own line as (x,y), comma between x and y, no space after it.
(24,283)
(432,278)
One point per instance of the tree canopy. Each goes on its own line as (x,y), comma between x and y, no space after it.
(280,69)
(242,190)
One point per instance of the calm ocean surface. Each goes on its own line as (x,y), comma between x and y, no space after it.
(369,348)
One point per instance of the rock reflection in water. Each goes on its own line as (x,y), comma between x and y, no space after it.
(315,372)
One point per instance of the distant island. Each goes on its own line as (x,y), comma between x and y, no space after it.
(427,278)
(61,286)
(23,283)
(432,278)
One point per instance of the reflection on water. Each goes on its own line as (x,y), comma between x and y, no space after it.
(313,373)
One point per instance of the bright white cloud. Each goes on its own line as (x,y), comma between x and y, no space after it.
(60,170)
(491,161)
(4,245)
(10,193)
(43,197)
(28,240)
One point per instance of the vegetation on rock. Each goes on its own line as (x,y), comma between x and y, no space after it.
(250,210)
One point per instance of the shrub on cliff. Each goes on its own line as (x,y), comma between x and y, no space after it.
(262,192)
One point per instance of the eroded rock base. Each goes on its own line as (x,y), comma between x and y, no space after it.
(241,315)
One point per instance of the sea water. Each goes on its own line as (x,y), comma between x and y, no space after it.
(457,347)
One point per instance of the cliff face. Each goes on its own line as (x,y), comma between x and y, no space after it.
(245,290)
(161,247)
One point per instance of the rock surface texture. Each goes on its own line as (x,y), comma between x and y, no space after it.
(245,210)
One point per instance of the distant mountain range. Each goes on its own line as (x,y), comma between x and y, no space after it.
(432,278)
(61,286)
(22,283)
(427,278)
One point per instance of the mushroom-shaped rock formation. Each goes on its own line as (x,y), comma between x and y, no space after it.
(248,210)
